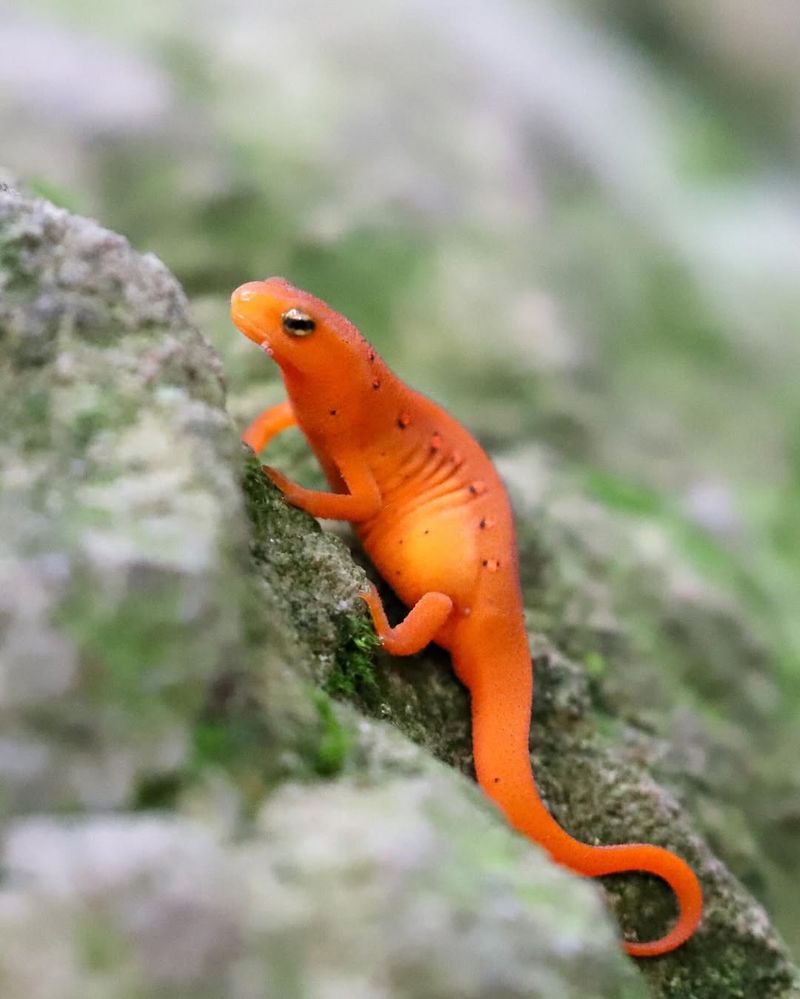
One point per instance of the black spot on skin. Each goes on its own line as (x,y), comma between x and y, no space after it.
(426,532)
(485,562)
(376,385)
(482,524)
(497,780)
(371,354)
(332,412)
(401,424)
(473,490)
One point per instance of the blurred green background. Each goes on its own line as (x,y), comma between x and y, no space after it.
(571,222)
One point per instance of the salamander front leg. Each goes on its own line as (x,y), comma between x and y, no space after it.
(268,424)
(362,501)
(417,629)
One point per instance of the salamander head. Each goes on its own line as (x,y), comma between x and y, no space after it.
(301,333)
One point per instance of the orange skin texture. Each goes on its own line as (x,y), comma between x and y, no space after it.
(434,517)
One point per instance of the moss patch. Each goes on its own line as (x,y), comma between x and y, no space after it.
(353,672)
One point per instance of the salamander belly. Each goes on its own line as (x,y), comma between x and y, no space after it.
(424,550)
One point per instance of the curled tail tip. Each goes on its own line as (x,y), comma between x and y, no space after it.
(691,911)
(665,945)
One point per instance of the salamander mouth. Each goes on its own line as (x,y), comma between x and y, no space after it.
(245,324)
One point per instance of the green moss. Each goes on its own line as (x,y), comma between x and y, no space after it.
(239,738)
(334,739)
(353,671)
(259,498)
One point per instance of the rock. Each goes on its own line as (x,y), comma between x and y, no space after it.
(169,630)
(118,514)
(410,889)
(116,906)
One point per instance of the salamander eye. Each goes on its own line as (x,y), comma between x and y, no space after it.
(297,323)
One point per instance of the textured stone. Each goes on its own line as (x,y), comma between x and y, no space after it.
(118,514)
(409,890)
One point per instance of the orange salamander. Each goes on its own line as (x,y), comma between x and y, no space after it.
(434,517)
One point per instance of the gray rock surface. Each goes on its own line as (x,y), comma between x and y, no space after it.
(120,516)
(403,890)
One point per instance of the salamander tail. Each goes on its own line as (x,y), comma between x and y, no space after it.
(501,705)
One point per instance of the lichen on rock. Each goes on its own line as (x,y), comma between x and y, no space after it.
(118,513)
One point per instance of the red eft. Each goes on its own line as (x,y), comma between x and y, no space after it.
(434,517)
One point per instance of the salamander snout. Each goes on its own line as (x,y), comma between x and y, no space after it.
(250,312)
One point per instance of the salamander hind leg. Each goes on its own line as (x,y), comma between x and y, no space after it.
(419,627)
